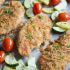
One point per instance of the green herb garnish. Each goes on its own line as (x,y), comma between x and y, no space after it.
(1,15)
(40,17)
(61,56)
(29,36)
(57,47)
(8,11)
(33,25)
(68,46)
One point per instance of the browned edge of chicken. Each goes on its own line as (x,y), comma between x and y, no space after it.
(11,16)
(57,55)
(1,2)
(35,32)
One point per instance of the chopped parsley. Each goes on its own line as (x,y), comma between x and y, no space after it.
(33,25)
(68,46)
(57,46)
(40,17)
(29,36)
(61,56)
(1,15)
(8,11)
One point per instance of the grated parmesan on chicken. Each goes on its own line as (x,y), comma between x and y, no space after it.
(10,16)
(57,55)
(1,2)
(33,34)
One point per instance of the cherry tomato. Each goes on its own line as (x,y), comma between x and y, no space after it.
(54,2)
(2,56)
(63,17)
(68,1)
(8,44)
(37,9)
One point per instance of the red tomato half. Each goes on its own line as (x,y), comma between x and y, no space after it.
(8,44)
(64,17)
(54,2)
(37,9)
(2,56)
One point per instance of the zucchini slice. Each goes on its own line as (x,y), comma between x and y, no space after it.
(26,68)
(46,2)
(28,4)
(10,60)
(29,12)
(61,6)
(21,62)
(64,25)
(55,15)
(21,65)
(8,68)
(48,10)
(31,64)
(58,29)
(31,61)
(30,68)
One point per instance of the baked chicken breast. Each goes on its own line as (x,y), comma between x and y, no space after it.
(57,55)
(10,16)
(1,2)
(36,31)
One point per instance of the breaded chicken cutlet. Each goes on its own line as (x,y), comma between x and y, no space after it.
(1,2)
(10,16)
(33,34)
(57,55)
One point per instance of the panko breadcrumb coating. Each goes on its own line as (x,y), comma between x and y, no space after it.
(1,2)
(57,55)
(10,16)
(33,34)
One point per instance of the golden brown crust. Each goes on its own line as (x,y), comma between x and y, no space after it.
(57,55)
(10,16)
(1,2)
(34,33)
